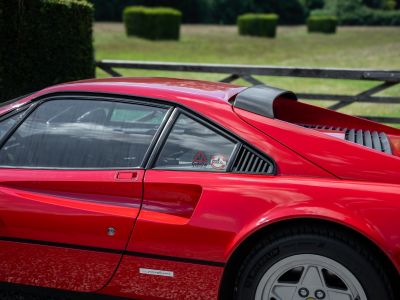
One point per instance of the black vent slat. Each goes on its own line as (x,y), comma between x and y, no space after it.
(374,140)
(244,164)
(323,127)
(242,157)
(371,139)
(368,139)
(351,136)
(255,163)
(264,168)
(248,161)
(360,137)
(260,165)
(385,143)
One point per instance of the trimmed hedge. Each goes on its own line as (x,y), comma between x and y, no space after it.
(324,24)
(193,11)
(158,23)
(258,24)
(44,42)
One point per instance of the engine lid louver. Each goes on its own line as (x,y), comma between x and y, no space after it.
(323,127)
(371,139)
(248,161)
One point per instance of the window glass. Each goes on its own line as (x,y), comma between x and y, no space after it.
(192,146)
(6,124)
(83,134)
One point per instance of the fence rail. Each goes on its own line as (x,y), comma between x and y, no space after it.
(385,79)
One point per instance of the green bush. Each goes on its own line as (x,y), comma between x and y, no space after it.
(158,23)
(44,42)
(372,17)
(324,24)
(258,24)
(193,11)
(390,4)
(354,12)
(212,11)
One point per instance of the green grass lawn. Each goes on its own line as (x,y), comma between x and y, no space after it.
(351,47)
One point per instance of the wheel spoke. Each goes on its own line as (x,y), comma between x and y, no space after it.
(284,291)
(312,277)
(305,276)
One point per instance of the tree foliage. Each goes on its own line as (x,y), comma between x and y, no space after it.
(44,42)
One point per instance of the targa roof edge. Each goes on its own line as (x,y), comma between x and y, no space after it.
(168,89)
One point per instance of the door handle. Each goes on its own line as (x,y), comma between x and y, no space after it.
(126,175)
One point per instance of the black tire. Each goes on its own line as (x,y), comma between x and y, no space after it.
(346,249)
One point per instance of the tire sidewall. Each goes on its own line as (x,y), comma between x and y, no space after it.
(257,264)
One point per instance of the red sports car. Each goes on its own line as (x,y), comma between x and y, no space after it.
(152,188)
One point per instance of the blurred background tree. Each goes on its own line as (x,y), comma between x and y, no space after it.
(374,3)
(208,11)
(44,42)
(289,11)
(360,12)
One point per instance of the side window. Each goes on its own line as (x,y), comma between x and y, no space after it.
(83,134)
(192,146)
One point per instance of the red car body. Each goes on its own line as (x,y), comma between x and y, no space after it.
(193,226)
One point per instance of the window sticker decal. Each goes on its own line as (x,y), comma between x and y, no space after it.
(218,162)
(190,146)
(200,160)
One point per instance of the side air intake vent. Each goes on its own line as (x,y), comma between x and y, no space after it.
(371,139)
(247,161)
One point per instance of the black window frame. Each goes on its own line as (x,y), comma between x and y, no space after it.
(8,115)
(159,139)
(32,106)
(167,131)
(239,143)
(8,102)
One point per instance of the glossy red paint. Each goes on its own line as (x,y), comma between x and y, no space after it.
(172,199)
(232,206)
(55,267)
(68,207)
(189,281)
(191,223)
(303,113)
(345,160)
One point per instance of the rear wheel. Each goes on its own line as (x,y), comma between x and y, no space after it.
(312,264)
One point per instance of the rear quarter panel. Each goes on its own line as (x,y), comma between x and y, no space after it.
(232,207)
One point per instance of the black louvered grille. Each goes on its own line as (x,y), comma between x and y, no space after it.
(323,127)
(371,139)
(247,161)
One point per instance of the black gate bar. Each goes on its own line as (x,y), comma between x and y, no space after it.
(387,79)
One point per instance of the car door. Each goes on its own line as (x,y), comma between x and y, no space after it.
(191,185)
(71,172)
